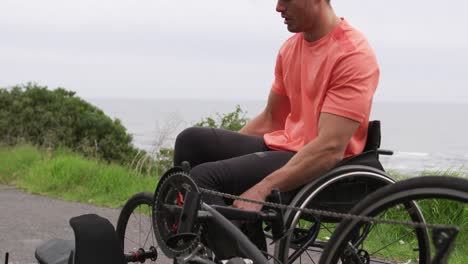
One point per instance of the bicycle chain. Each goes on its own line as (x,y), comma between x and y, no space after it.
(366,219)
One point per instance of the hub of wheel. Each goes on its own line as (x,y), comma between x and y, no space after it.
(354,256)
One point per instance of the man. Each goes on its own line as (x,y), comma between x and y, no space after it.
(317,113)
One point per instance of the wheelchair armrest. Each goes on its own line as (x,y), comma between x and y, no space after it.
(385,152)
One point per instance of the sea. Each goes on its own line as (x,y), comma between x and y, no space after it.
(425,137)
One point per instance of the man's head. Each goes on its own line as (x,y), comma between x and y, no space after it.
(304,15)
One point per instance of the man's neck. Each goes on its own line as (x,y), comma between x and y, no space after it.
(326,24)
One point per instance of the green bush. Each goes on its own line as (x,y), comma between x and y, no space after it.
(233,121)
(53,118)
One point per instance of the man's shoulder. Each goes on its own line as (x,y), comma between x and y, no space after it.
(290,42)
(350,40)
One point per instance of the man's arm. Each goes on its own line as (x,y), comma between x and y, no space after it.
(272,118)
(317,157)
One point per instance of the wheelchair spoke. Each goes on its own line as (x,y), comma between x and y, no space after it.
(361,246)
(391,243)
(330,231)
(325,227)
(372,226)
(384,241)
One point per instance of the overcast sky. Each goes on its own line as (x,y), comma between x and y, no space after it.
(217,48)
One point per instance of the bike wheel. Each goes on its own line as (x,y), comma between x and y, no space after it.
(393,243)
(336,191)
(134,226)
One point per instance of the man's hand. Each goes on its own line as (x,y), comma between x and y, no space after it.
(258,192)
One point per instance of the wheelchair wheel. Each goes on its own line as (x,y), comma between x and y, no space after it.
(440,198)
(337,191)
(135,227)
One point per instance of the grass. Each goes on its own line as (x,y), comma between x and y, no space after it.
(70,176)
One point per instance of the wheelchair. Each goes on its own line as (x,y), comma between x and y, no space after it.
(337,191)
(300,235)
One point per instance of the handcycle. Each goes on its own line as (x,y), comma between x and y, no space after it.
(297,228)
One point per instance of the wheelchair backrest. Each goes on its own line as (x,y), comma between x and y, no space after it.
(373,136)
(370,154)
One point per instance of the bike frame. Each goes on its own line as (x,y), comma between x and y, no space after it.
(221,216)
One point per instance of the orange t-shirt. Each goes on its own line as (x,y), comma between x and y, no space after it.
(336,74)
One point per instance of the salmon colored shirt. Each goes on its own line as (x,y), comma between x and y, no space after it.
(336,74)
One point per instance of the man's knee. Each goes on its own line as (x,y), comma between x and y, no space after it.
(187,143)
(188,135)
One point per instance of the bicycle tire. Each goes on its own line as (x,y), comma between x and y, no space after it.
(428,187)
(143,200)
(309,193)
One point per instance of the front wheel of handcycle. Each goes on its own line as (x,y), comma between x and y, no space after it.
(135,227)
(442,200)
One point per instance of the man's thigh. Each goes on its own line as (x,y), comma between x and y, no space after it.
(200,144)
(236,175)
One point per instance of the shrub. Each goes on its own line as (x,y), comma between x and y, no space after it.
(233,121)
(53,118)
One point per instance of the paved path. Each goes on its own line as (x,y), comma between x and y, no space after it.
(28,220)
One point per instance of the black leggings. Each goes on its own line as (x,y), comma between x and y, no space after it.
(228,162)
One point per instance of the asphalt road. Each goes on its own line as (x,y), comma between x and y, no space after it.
(26,221)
